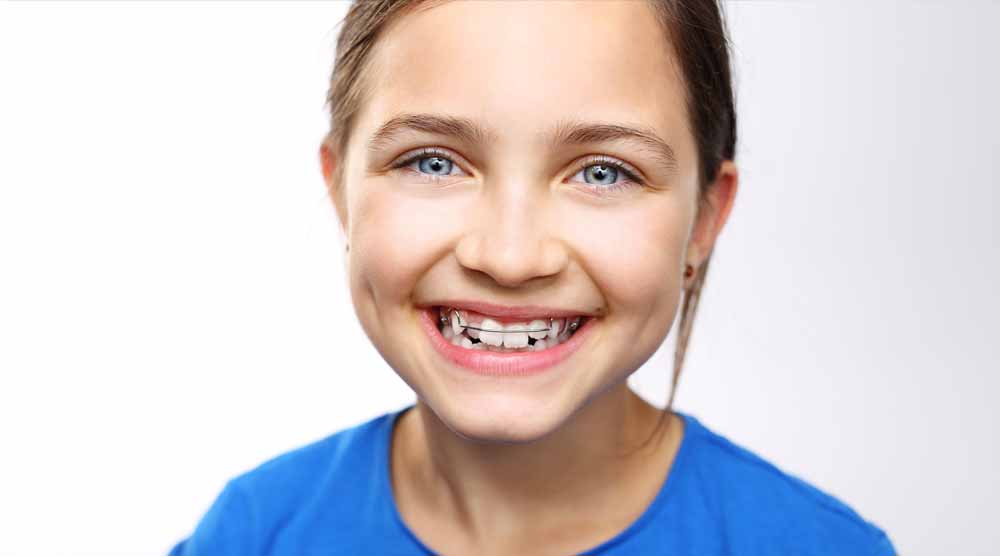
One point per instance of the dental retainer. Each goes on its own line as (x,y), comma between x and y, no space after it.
(444,322)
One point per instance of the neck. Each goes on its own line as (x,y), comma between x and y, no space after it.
(591,461)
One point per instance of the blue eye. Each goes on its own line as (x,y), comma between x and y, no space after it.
(431,164)
(608,174)
(603,174)
(435,165)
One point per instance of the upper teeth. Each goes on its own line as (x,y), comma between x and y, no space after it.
(512,335)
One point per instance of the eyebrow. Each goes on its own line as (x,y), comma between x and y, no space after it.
(564,132)
(576,132)
(463,129)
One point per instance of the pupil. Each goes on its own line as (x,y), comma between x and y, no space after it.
(601,172)
(435,165)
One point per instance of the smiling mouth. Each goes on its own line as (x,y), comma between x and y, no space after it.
(474,331)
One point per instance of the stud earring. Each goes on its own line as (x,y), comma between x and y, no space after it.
(688,271)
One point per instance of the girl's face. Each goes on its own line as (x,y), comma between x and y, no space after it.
(526,109)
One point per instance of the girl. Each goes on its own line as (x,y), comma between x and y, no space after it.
(529,191)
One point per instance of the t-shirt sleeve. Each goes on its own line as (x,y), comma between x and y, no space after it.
(227,528)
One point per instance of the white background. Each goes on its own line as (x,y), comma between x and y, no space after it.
(173,310)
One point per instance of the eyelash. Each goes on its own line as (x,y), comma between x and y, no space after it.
(424,153)
(631,177)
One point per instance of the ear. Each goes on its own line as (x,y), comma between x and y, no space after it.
(713,212)
(333,176)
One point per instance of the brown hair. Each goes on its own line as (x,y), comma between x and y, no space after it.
(695,28)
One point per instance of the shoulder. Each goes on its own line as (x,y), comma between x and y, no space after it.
(759,504)
(327,480)
(298,472)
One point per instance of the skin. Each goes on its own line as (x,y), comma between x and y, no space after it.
(543,464)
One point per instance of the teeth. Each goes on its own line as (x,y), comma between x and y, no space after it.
(488,337)
(515,337)
(538,325)
(556,325)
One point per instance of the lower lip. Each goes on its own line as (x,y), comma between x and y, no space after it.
(497,363)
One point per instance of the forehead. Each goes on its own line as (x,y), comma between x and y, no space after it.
(521,66)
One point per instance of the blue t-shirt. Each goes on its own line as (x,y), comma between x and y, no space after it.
(334,497)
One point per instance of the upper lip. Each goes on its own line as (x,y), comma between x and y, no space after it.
(509,311)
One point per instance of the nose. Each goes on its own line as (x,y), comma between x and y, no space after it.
(513,235)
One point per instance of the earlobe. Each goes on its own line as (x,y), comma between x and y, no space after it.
(713,212)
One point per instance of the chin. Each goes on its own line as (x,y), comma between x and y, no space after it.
(497,418)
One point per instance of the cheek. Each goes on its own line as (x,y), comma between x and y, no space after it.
(394,240)
(634,254)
